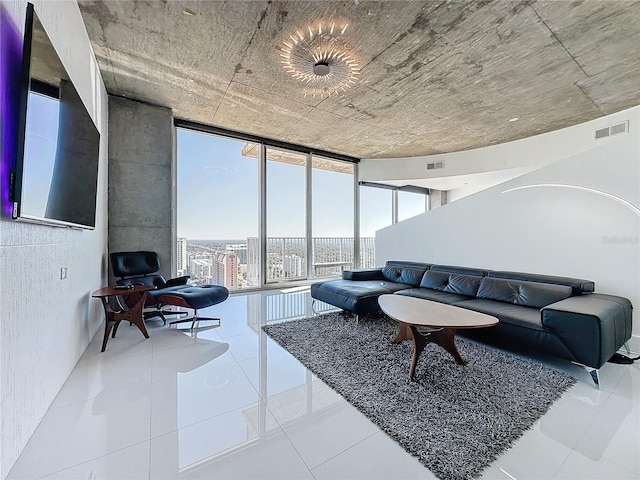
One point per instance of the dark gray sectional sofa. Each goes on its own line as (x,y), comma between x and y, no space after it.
(559,316)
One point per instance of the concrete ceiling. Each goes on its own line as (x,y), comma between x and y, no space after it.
(437,76)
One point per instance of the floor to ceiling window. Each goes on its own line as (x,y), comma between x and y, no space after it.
(217,210)
(286,198)
(332,206)
(250,214)
(410,204)
(376,212)
(383,205)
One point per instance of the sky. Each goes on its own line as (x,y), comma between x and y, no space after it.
(217,195)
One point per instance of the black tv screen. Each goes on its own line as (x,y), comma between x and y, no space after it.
(56,176)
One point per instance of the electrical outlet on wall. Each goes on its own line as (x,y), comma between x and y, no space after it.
(63,273)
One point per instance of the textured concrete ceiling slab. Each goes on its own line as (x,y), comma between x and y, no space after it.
(437,76)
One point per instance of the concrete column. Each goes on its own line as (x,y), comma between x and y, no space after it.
(140,179)
(437,198)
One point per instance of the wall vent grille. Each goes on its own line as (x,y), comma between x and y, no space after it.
(434,165)
(612,130)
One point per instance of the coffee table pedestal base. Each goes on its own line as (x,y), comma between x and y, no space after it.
(443,337)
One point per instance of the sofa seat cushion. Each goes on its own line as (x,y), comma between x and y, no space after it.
(360,288)
(354,296)
(529,294)
(434,295)
(518,315)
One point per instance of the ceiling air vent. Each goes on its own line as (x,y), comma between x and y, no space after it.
(620,128)
(434,165)
(612,130)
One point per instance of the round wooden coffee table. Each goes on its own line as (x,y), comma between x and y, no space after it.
(445,320)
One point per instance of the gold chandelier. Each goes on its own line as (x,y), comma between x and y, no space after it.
(319,57)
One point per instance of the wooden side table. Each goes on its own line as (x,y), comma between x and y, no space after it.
(114,317)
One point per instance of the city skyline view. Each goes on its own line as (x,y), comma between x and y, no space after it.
(237,265)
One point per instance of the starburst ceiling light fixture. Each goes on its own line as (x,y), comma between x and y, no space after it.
(319,57)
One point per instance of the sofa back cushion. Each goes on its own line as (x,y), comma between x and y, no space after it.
(578,285)
(409,273)
(460,270)
(451,282)
(530,294)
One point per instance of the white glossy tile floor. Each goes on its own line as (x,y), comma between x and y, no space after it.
(232,404)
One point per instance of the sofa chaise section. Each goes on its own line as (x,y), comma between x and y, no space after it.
(358,291)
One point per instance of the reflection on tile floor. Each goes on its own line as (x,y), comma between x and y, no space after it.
(231,403)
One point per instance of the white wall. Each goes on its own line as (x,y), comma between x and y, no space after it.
(548,230)
(46,322)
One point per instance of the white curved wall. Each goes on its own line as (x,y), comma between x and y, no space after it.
(548,230)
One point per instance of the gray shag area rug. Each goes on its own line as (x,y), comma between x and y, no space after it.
(455,419)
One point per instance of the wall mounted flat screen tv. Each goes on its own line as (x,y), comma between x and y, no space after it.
(56,176)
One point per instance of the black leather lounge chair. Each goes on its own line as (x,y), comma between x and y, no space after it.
(142,268)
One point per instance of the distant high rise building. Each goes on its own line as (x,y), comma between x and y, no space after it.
(181,254)
(240,249)
(225,269)
(253,261)
(200,269)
